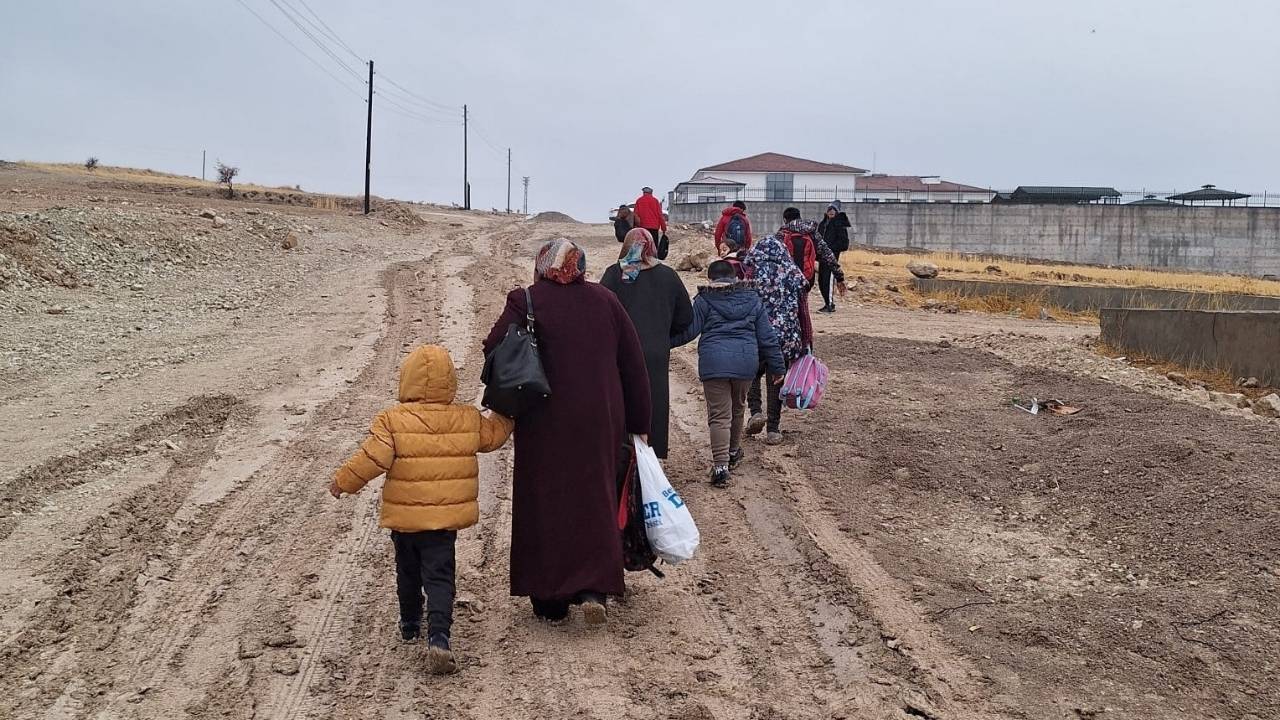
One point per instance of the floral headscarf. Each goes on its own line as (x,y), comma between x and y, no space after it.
(560,261)
(781,284)
(638,253)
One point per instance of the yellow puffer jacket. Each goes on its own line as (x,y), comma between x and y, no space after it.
(427,447)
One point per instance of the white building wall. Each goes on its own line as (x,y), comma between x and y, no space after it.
(820,186)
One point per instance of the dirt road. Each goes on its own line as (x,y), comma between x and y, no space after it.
(916,549)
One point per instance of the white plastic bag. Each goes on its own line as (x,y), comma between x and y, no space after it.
(667,522)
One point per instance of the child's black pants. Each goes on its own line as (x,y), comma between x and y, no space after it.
(425,562)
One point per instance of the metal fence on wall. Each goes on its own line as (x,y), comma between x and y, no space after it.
(817,194)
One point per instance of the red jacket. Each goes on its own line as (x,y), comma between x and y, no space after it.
(649,213)
(724,223)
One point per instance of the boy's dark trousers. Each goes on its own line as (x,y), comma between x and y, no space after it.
(772,401)
(425,562)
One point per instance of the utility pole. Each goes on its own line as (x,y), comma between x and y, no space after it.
(466,184)
(368,141)
(203,153)
(526,194)
(508,181)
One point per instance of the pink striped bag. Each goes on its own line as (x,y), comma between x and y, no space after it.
(802,387)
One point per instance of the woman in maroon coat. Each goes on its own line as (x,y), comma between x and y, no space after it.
(565,543)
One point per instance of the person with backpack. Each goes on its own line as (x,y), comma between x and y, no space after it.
(735,226)
(808,250)
(782,286)
(736,336)
(834,230)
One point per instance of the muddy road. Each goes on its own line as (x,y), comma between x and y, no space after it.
(916,549)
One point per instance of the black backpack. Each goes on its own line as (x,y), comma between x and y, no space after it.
(637,554)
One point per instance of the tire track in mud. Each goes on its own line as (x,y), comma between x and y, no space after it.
(227,597)
(62,658)
(926,674)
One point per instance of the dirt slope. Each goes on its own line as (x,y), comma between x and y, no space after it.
(916,549)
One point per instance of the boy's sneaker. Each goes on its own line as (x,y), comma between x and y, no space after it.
(409,631)
(755,424)
(735,457)
(828,308)
(773,438)
(440,658)
(720,476)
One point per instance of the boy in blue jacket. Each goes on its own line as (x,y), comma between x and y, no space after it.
(736,336)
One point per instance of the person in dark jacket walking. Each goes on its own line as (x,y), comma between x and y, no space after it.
(658,304)
(623,221)
(736,335)
(834,229)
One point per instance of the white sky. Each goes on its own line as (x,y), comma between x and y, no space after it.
(599,98)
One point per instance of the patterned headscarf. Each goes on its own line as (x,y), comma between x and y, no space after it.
(560,261)
(780,283)
(638,253)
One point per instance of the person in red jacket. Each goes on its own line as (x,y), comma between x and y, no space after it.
(648,214)
(737,209)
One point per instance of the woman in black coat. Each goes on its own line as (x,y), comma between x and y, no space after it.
(834,229)
(623,222)
(656,299)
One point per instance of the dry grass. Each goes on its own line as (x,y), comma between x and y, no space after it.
(145,176)
(862,261)
(1025,307)
(1215,379)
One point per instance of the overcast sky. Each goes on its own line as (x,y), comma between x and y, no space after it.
(599,98)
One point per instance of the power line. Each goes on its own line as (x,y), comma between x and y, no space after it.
(301,52)
(499,150)
(419,98)
(315,40)
(407,112)
(330,32)
(449,114)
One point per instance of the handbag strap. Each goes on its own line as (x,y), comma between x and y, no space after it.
(528,311)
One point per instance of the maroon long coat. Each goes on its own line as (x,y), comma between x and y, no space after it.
(564,533)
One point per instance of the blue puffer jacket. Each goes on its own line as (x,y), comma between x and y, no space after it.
(736,333)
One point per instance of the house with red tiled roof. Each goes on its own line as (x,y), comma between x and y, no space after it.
(878,187)
(769,176)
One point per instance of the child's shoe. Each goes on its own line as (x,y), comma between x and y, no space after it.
(409,631)
(773,438)
(755,424)
(720,476)
(735,457)
(439,657)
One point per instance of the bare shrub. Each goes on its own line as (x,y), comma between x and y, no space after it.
(91,164)
(226,174)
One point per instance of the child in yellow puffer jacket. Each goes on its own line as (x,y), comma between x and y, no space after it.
(427,447)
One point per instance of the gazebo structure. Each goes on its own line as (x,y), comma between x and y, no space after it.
(1208,194)
(1153,201)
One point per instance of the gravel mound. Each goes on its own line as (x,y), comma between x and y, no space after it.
(552,216)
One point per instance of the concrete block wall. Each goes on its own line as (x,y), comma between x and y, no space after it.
(1238,240)
(1247,344)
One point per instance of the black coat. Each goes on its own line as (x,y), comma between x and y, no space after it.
(621,226)
(835,231)
(659,307)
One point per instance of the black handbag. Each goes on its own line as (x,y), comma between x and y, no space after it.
(513,378)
